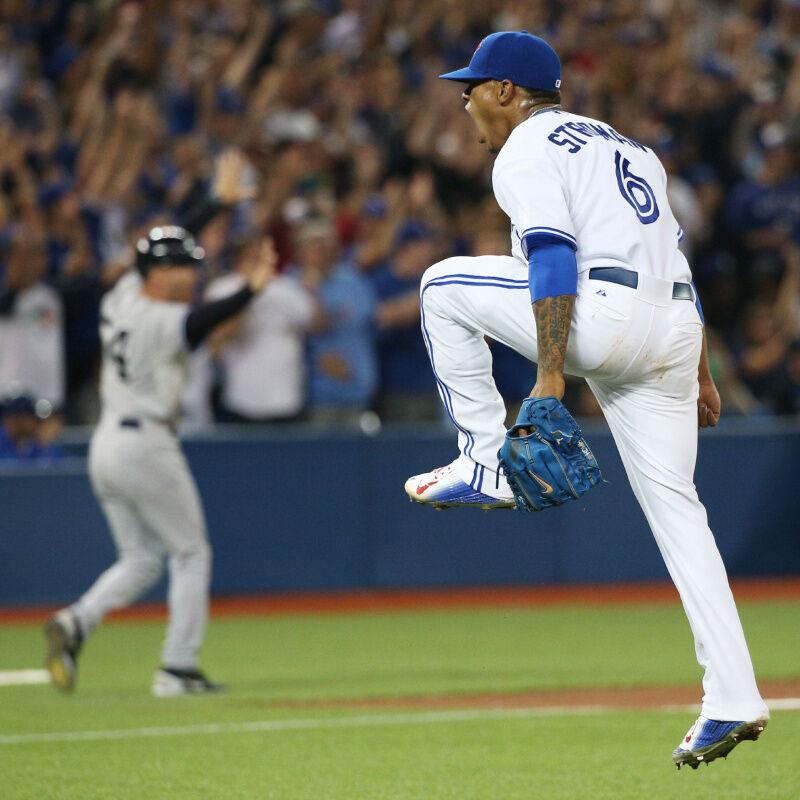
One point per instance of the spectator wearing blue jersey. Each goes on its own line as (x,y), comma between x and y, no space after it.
(764,211)
(408,393)
(342,364)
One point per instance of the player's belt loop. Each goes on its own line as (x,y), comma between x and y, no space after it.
(682,291)
(130,422)
(630,278)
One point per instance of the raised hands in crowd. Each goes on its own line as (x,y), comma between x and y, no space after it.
(243,118)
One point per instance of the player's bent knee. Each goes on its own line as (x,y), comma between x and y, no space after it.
(448,266)
(148,568)
(196,556)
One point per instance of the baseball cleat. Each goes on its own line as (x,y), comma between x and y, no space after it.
(64,639)
(442,488)
(176,682)
(708,739)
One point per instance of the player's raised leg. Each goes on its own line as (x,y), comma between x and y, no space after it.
(656,434)
(462,300)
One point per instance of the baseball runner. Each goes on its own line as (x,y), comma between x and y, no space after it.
(138,471)
(596,287)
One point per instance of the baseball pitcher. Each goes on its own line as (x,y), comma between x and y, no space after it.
(596,287)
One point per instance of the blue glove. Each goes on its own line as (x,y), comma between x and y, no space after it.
(553,463)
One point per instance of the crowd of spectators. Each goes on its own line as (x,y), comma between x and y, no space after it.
(321,123)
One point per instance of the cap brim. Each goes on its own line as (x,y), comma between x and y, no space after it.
(465,75)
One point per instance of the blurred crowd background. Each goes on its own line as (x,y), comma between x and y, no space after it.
(322,123)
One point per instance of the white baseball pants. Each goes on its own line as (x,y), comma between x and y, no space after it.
(142,481)
(639,351)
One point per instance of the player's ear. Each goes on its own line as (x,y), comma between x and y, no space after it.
(505,92)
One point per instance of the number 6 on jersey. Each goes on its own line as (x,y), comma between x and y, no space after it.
(636,191)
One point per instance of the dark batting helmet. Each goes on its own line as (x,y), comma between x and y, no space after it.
(168,246)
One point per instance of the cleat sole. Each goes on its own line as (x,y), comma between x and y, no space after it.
(443,506)
(746,732)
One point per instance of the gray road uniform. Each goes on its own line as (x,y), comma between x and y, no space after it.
(140,475)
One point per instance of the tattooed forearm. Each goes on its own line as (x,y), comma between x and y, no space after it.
(553,316)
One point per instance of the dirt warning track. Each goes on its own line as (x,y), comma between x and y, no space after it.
(373,601)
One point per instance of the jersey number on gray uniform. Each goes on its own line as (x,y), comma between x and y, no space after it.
(116,351)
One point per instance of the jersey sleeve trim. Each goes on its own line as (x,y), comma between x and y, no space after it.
(536,237)
(557,232)
(546,229)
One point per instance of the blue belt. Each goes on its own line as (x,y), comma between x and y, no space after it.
(627,277)
(136,424)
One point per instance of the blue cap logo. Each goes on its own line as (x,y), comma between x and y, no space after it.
(517,56)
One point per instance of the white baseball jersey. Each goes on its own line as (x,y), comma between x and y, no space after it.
(264,364)
(32,346)
(579,181)
(144,352)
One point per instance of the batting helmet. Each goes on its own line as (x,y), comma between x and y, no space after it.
(167,246)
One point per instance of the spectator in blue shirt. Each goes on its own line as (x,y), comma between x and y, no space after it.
(342,365)
(19,433)
(764,211)
(408,393)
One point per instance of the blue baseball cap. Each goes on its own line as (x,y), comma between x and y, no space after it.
(17,404)
(517,56)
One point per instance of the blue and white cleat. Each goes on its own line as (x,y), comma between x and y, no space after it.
(442,488)
(708,739)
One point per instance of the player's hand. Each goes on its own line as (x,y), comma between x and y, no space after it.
(260,269)
(709,406)
(546,386)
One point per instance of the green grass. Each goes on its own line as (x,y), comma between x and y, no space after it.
(272,660)
(615,756)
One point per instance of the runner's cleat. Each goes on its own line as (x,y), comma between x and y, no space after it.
(442,488)
(64,639)
(170,682)
(708,739)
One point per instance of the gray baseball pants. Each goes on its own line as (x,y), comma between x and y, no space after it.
(142,482)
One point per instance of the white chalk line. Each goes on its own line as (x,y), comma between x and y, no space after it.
(23,677)
(362,721)
(318,723)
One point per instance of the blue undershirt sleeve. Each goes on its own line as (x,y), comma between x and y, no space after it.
(552,267)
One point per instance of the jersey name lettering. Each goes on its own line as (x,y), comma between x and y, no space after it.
(573,135)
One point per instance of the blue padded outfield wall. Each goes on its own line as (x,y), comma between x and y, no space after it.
(295,510)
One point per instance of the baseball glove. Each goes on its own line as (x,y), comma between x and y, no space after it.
(553,463)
